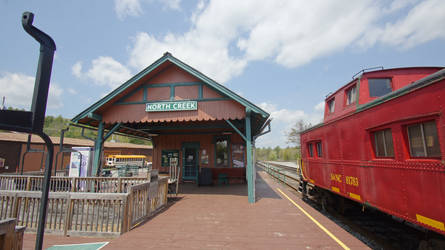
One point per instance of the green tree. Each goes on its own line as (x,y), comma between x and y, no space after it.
(293,136)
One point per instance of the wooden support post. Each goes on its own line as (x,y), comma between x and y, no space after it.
(68,215)
(250,170)
(98,149)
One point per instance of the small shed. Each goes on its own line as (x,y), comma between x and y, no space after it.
(202,125)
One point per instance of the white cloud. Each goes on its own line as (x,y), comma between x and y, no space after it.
(222,41)
(72,91)
(124,8)
(18,89)
(171,4)
(104,71)
(205,53)
(283,120)
(319,107)
(420,25)
(287,32)
(77,69)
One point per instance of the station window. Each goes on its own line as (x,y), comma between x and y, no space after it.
(331,105)
(222,151)
(423,140)
(319,149)
(351,95)
(310,150)
(379,87)
(383,145)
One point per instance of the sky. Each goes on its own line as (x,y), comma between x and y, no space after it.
(284,56)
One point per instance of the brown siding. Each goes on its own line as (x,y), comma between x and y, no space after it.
(210,93)
(214,110)
(10,152)
(138,96)
(173,74)
(186,92)
(158,94)
(35,161)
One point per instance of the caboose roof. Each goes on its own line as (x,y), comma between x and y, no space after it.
(366,73)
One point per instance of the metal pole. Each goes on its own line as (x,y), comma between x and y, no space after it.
(45,191)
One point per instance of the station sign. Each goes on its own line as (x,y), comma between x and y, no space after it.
(171,106)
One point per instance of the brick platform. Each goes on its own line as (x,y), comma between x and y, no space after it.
(220,217)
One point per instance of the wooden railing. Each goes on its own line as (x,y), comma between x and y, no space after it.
(70,184)
(140,208)
(92,214)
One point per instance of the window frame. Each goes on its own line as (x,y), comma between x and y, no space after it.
(380,78)
(319,149)
(350,101)
(374,135)
(310,150)
(228,151)
(331,108)
(423,139)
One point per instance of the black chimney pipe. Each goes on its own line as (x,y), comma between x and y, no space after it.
(43,75)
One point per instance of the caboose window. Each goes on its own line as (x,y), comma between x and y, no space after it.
(319,149)
(331,105)
(351,95)
(383,145)
(379,87)
(310,150)
(423,140)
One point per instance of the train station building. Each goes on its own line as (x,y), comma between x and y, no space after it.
(206,129)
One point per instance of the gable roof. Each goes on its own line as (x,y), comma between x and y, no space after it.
(167,58)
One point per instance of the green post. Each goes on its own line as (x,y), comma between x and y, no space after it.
(250,173)
(98,149)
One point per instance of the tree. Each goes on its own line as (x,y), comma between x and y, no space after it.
(293,136)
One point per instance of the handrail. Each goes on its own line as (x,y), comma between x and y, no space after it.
(277,173)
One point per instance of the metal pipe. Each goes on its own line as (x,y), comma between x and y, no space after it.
(45,191)
(38,109)
(43,75)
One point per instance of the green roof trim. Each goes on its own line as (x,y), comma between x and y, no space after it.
(168,57)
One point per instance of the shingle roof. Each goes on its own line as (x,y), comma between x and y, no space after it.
(22,137)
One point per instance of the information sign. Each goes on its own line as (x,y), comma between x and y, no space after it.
(171,106)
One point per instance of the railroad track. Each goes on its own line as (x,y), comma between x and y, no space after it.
(376,229)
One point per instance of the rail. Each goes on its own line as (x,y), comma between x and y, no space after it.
(144,200)
(86,214)
(70,184)
(275,171)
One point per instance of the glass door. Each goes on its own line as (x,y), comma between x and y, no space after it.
(190,162)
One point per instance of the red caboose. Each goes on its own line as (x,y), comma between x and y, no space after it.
(382,144)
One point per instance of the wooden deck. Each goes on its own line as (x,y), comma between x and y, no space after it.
(220,217)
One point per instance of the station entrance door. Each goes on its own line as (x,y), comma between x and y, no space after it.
(190,161)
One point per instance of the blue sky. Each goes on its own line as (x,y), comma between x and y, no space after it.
(284,56)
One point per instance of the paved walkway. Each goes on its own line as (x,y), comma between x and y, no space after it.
(220,217)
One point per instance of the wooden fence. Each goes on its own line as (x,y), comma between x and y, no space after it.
(70,184)
(80,213)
